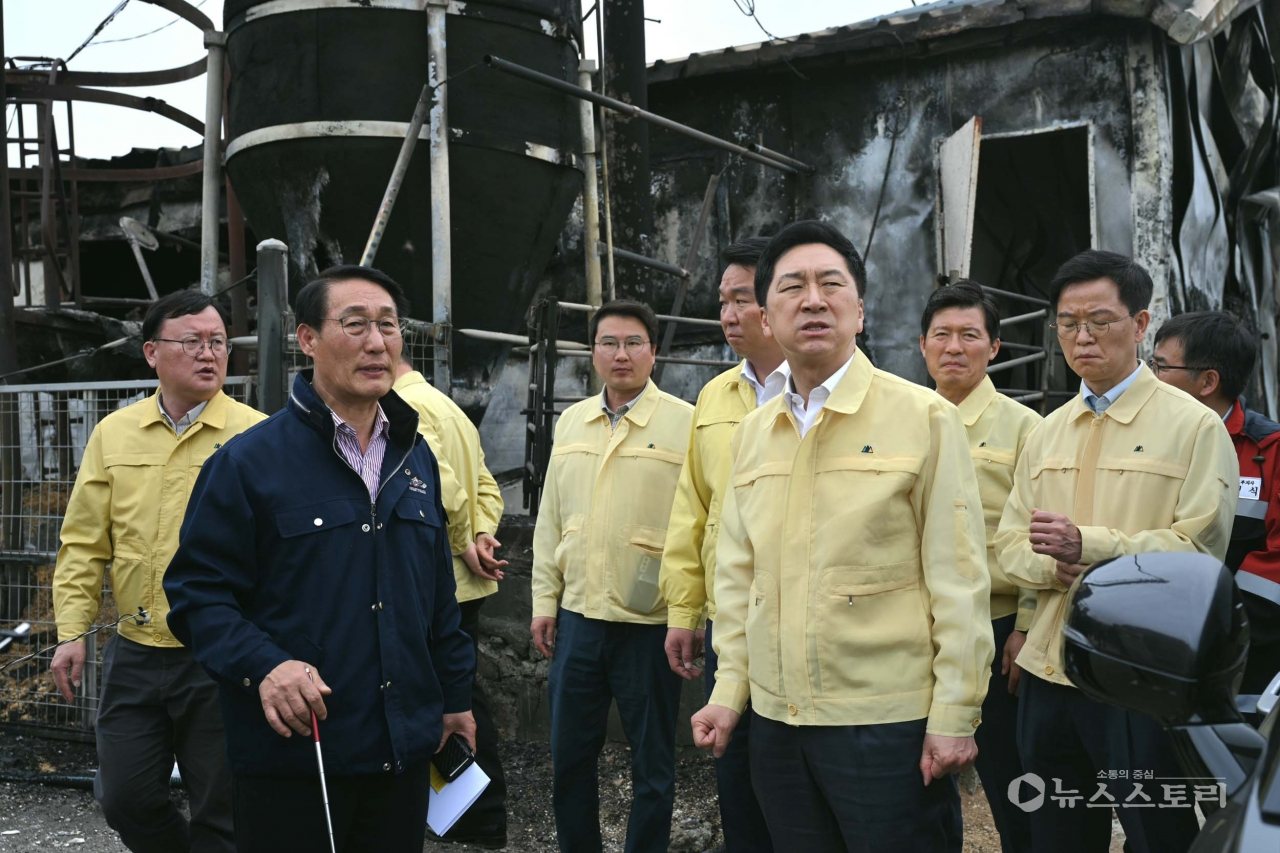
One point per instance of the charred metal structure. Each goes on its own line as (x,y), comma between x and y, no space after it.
(993,139)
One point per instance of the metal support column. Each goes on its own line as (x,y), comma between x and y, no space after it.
(273,290)
(590,189)
(210,213)
(441,245)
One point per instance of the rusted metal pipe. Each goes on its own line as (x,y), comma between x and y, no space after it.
(441,243)
(397,178)
(210,209)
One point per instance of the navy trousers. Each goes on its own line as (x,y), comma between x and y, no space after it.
(998,763)
(596,661)
(852,788)
(1067,739)
(741,819)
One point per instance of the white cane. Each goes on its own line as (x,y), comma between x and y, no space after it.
(324,790)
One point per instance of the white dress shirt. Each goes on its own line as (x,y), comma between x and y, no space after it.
(807,416)
(773,385)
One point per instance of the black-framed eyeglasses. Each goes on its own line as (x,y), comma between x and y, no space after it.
(609,346)
(220,347)
(1097,328)
(1157,368)
(358,327)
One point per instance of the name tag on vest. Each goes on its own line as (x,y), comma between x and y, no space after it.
(1250,487)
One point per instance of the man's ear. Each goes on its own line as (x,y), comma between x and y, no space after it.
(307,340)
(149,352)
(1212,382)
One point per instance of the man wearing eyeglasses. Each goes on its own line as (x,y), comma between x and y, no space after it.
(1128,466)
(314,581)
(1211,355)
(138,469)
(598,612)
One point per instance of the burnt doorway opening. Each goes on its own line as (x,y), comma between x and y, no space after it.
(1029,205)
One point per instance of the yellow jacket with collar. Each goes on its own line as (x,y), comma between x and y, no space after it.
(126,509)
(851,579)
(689,558)
(471,496)
(1154,472)
(597,547)
(998,429)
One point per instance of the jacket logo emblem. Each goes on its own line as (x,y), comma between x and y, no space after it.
(216,445)
(416,485)
(983,444)
(867,449)
(1138,449)
(651,447)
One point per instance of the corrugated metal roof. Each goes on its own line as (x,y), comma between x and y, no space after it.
(1184,21)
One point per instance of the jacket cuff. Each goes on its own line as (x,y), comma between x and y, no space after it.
(261,666)
(733,695)
(954,720)
(68,630)
(546,605)
(1023,622)
(1096,545)
(683,617)
(457,698)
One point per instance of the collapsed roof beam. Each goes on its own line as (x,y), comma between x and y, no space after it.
(791,167)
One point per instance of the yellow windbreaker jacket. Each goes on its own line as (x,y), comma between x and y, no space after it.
(1155,472)
(998,428)
(597,547)
(851,580)
(126,509)
(689,558)
(471,496)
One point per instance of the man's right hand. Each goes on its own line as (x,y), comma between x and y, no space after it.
(67,665)
(543,630)
(289,696)
(681,650)
(713,727)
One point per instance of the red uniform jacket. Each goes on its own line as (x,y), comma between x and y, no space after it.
(1255,538)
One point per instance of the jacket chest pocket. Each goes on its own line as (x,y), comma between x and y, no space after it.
(324,532)
(650,473)
(851,486)
(137,487)
(420,522)
(1122,480)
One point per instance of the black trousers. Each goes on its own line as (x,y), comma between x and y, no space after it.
(1066,739)
(386,813)
(158,704)
(998,763)
(596,661)
(489,814)
(741,819)
(828,789)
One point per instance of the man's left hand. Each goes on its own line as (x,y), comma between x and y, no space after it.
(1055,536)
(464,724)
(1068,572)
(946,755)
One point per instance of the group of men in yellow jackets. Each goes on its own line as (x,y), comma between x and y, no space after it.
(879,571)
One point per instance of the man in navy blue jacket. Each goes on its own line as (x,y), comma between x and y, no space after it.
(314,574)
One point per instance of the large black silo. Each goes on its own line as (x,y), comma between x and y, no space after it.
(320,80)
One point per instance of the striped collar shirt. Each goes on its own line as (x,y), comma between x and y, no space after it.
(366,463)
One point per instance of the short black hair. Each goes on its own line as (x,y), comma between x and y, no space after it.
(312,302)
(626,308)
(803,233)
(1215,340)
(963,294)
(181,303)
(1129,277)
(744,253)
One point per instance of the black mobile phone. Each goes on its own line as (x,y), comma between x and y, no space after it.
(454,758)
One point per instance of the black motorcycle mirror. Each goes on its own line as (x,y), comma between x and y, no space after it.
(1166,635)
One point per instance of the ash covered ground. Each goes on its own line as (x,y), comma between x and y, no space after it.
(36,817)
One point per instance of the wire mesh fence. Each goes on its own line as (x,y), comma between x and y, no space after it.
(43,432)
